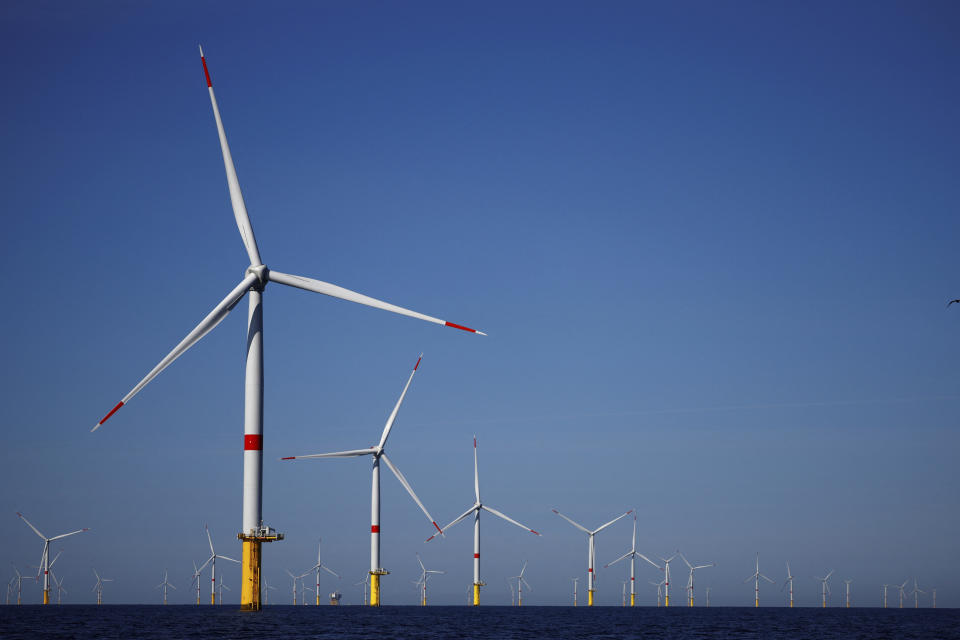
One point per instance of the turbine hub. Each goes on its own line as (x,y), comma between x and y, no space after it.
(261,272)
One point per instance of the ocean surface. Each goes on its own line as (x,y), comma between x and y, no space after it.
(277,621)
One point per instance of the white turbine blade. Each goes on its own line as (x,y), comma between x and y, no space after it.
(498,514)
(396,409)
(332,290)
(223,586)
(476,471)
(336,454)
(704,566)
(524,581)
(330,571)
(205,564)
(767,579)
(406,485)
(578,526)
(650,561)
(210,540)
(749,578)
(230,559)
(206,325)
(236,197)
(37,531)
(171,586)
(684,558)
(626,555)
(54,561)
(421,563)
(612,521)
(827,577)
(444,529)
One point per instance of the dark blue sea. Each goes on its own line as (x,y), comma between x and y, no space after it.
(190,621)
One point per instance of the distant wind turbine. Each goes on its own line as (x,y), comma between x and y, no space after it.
(98,587)
(690,578)
(900,588)
(422,582)
(163,585)
(45,556)
(916,591)
(520,582)
(575,590)
(789,581)
(317,568)
(825,588)
(591,549)
(756,583)
(848,582)
(633,554)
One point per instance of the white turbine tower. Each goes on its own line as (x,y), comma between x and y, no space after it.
(825,588)
(575,590)
(221,587)
(163,585)
(916,591)
(60,589)
(45,556)
(756,583)
(256,278)
(666,577)
(591,550)
(520,582)
(477,507)
(848,582)
(422,582)
(196,579)
(317,568)
(690,577)
(212,561)
(633,554)
(295,578)
(378,453)
(885,595)
(789,581)
(267,588)
(708,596)
(19,578)
(98,587)
(659,586)
(365,582)
(900,588)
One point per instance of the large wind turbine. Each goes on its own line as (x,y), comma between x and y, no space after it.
(591,549)
(256,278)
(690,578)
(520,582)
(825,588)
(163,585)
(317,567)
(632,554)
(422,582)
(789,581)
(378,453)
(756,582)
(212,561)
(45,556)
(477,507)
(666,577)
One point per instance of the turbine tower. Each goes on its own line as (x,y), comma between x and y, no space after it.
(885,595)
(916,591)
(756,583)
(900,588)
(690,578)
(708,596)
(45,556)
(575,590)
(633,554)
(253,531)
(790,582)
(591,549)
(98,587)
(477,507)
(196,579)
(221,587)
(422,582)
(19,578)
(825,588)
(659,586)
(364,582)
(848,583)
(163,585)
(317,568)
(520,582)
(60,589)
(666,578)
(295,578)
(378,453)
(212,561)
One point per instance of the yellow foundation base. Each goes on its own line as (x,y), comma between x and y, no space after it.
(633,599)
(250,558)
(374,589)
(756,603)
(476,594)
(213,598)
(666,601)
(589,598)
(46,597)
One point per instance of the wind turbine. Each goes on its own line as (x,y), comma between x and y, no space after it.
(790,582)
(885,595)
(425,573)
(916,598)
(378,453)
(295,578)
(825,588)
(9,589)
(212,561)
(317,567)
(900,588)
(756,583)
(934,591)
(222,587)
(60,589)
(98,587)
(164,586)
(690,578)
(591,549)
(365,582)
(477,507)
(632,554)
(45,556)
(623,594)
(513,594)
(575,590)
(848,583)
(267,588)
(666,578)
(196,578)
(19,578)
(520,582)
(256,278)
(659,586)
(708,596)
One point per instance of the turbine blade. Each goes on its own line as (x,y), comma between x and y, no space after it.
(330,571)
(626,555)
(236,196)
(612,521)
(230,559)
(210,540)
(767,579)
(35,530)
(497,513)
(332,290)
(444,529)
(336,454)
(213,318)
(650,561)
(396,409)
(684,558)
(406,485)
(476,471)
(421,563)
(578,526)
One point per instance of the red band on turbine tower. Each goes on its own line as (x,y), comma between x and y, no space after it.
(476,555)
(205,72)
(374,528)
(252,442)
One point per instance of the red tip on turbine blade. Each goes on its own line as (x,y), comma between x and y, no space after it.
(289,458)
(555,511)
(418,363)
(532,531)
(430,538)
(112,411)
(461,327)
(437,527)
(205,72)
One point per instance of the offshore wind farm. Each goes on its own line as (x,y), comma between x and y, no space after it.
(711,252)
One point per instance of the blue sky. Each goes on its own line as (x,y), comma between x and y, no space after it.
(711,244)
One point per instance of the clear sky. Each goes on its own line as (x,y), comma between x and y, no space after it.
(711,243)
